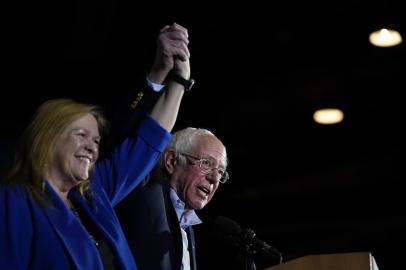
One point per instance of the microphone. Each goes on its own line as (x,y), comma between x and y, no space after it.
(245,236)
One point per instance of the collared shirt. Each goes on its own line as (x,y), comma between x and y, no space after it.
(155,86)
(186,217)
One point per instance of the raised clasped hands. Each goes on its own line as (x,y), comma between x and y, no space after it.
(172,53)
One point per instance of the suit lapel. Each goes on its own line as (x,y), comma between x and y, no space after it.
(191,247)
(173,223)
(71,233)
(108,228)
(177,235)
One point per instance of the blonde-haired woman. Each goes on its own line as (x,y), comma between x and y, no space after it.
(56,203)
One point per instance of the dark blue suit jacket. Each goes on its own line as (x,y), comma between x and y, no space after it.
(151,226)
(147,215)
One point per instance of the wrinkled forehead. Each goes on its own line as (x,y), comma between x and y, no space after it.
(205,145)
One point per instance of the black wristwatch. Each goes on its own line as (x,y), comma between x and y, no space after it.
(188,84)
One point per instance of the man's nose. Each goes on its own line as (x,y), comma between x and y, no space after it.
(213,175)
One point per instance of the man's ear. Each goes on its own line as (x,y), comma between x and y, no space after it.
(169,161)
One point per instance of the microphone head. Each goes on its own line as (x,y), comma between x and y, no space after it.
(245,239)
(226,225)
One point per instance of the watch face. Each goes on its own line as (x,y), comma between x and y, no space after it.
(191,83)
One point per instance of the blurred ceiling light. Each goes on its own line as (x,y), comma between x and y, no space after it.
(328,116)
(385,38)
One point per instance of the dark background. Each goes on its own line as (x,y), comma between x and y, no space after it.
(261,69)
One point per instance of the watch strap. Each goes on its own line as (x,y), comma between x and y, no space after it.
(188,84)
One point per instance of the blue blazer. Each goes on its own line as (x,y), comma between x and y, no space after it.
(51,237)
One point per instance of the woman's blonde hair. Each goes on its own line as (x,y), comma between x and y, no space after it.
(36,146)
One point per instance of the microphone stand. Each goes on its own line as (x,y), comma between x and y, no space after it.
(248,240)
(249,249)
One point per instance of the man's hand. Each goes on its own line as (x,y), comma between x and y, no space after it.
(172,44)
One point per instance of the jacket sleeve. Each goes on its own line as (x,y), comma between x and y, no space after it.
(131,160)
(129,112)
(16,229)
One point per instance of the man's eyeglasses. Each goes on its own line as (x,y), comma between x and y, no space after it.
(207,166)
